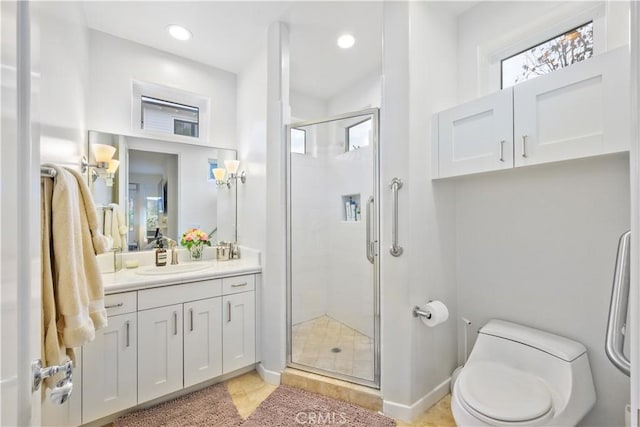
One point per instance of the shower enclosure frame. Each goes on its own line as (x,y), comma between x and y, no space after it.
(375,140)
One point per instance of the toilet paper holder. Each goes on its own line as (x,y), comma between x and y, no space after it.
(417,311)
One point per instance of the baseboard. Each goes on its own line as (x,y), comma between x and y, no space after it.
(408,413)
(270,377)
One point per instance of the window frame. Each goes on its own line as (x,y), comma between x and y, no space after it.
(174,96)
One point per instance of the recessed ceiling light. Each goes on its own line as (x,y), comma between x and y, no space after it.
(346,41)
(178,32)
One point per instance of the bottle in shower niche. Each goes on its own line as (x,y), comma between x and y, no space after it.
(161,255)
(354,210)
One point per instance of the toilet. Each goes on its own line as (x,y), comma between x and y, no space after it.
(520,376)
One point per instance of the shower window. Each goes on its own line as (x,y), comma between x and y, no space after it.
(298,141)
(561,51)
(358,135)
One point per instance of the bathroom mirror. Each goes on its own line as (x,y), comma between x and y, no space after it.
(163,187)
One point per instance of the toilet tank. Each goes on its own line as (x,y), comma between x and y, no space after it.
(553,345)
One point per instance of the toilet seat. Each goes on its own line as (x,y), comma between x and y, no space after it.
(500,395)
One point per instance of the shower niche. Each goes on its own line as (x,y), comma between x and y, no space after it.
(351,208)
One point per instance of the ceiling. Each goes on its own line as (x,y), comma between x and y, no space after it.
(227,34)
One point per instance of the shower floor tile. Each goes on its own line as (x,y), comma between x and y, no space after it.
(315,341)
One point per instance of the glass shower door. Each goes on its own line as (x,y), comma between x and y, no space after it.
(333,321)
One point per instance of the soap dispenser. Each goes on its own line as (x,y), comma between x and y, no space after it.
(161,255)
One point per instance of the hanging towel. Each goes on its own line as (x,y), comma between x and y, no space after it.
(115,226)
(73,294)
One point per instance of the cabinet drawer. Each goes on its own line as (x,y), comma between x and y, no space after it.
(175,294)
(126,302)
(233,285)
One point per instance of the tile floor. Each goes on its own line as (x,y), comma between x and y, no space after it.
(248,391)
(314,343)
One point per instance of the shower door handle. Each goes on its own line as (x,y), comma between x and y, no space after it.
(618,307)
(396,250)
(370,245)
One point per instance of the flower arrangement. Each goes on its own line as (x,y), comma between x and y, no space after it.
(194,239)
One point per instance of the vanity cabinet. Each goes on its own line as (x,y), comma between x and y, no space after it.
(577,111)
(161,340)
(239,331)
(109,363)
(202,340)
(159,352)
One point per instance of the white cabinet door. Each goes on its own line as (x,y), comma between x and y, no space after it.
(202,340)
(159,352)
(238,331)
(476,136)
(109,362)
(578,111)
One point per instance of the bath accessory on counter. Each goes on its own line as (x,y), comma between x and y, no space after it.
(131,263)
(432,313)
(396,250)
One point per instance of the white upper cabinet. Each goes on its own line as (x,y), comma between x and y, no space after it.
(476,136)
(578,111)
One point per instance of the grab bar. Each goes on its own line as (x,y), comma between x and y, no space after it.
(396,250)
(618,307)
(370,248)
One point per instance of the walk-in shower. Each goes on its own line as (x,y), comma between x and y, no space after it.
(333,319)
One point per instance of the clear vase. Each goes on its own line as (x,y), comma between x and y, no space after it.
(195,252)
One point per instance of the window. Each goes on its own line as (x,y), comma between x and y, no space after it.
(568,48)
(298,140)
(171,117)
(358,135)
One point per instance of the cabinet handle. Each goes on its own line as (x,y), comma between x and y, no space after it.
(237,285)
(502,150)
(127,331)
(175,323)
(228,311)
(120,304)
(524,145)
(191,319)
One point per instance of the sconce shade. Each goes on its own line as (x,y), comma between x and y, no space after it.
(113,166)
(103,153)
(219,173)
(232,166)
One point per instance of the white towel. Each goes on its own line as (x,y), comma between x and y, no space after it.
(115,226)
(76,239)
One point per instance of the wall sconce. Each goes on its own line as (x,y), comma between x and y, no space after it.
(105,164)
(231,170)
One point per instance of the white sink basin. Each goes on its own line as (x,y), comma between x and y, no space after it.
(172,269)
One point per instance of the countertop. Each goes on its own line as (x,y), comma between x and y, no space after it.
(128,280)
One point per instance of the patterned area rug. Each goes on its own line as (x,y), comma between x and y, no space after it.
(211,406)
(293,407)
(285,407)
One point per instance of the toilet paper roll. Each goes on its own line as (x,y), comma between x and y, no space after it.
(439,313)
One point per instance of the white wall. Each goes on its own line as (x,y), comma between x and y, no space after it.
(537,245)
(305,107)
(492,31)
(61,41)
(115,62)
(363,94)
(64,80)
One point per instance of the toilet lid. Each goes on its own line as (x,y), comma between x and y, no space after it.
(502,393)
